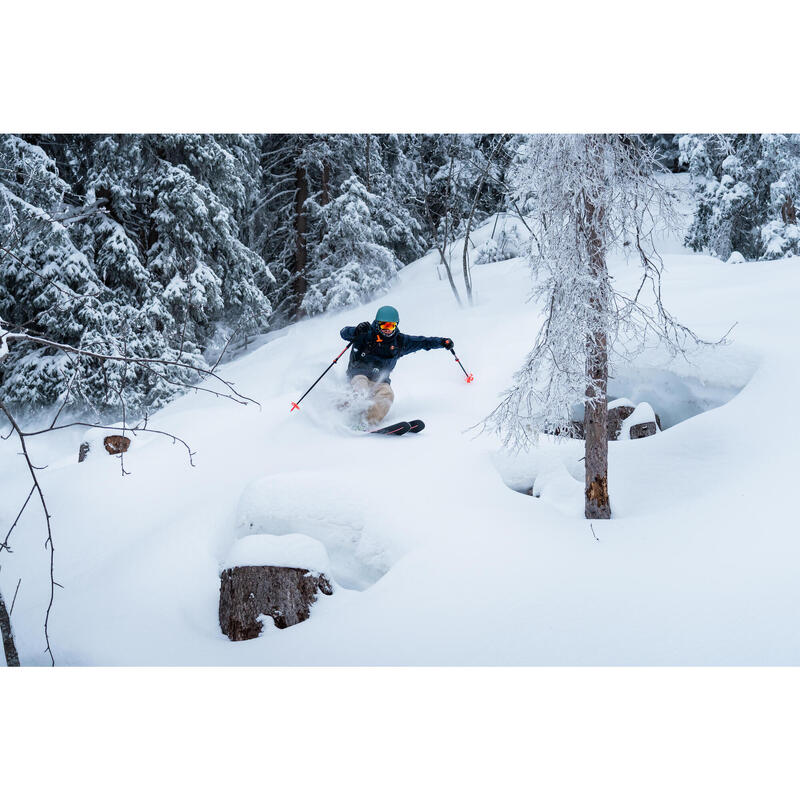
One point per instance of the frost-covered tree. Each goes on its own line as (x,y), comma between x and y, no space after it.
(666,148)
(349,265)
(503,244)
(746,186)
(462,184)
(586,196)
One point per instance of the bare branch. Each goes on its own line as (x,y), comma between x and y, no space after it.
(49,540)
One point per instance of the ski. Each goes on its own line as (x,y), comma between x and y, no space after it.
(399,428)
(396,429)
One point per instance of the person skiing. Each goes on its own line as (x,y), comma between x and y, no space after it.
(376,348)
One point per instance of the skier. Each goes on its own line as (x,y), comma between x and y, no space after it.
(376,348)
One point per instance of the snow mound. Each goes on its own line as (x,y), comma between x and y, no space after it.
(292,550)
(326,509)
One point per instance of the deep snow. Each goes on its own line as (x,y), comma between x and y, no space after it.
(436,559)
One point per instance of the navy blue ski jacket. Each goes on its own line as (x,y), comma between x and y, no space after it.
(375,355)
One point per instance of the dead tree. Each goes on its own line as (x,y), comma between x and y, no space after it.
(589,194)
(595,420)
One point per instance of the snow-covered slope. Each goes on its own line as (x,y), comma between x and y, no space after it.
(436,559)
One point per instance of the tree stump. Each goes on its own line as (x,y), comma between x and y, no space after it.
(83,451)
(283,593)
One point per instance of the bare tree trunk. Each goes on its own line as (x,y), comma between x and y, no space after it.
(301,226)
(443,247)
(325,197)
(369,141)
(595,418)
(12,659)
(788,211)
(595,423)
(449,274)
(467,276)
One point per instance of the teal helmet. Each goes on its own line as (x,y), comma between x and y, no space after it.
(387,314)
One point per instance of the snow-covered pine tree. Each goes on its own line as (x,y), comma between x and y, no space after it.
(302,175)
(397,185)
(746,187)
(47,284)
(349,265)
(163,264)
(586,195)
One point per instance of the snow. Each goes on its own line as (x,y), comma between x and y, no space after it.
(436,554)
(292,550)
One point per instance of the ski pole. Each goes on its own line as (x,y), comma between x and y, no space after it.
(297,404)
(469,375)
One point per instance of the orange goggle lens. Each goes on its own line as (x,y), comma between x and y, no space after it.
(388,326)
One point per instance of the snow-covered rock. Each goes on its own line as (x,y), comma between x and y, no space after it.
(618,411)
(640,423)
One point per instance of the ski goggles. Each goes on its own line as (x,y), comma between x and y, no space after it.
(388,326)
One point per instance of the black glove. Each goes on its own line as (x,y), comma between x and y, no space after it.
(447,344)
(362,329)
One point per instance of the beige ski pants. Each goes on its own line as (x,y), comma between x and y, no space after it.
(380,394)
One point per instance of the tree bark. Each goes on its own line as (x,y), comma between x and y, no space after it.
(595,419)
(284,593)
(325,198)
(368,177)
(788,212)
(12,658)
(300,247)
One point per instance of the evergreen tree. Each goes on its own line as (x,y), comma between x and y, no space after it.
(350,265)
(746,186)
(154,275)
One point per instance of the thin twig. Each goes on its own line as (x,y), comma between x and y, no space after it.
(14,600)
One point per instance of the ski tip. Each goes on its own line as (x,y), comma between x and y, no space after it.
(417,425)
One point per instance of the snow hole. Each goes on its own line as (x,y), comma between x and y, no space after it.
(553,471)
